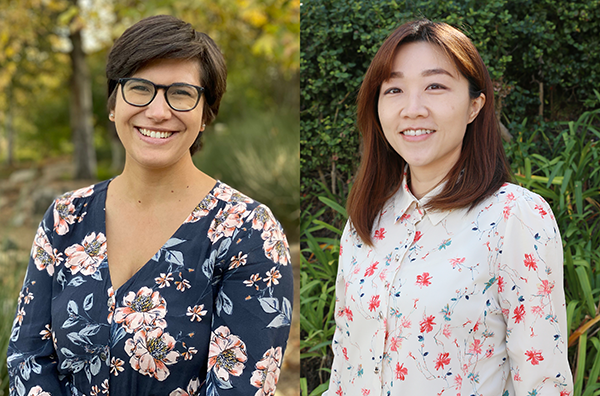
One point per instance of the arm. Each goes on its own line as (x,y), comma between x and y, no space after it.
(253,309)
(340,317)
(31,357)
(533,301)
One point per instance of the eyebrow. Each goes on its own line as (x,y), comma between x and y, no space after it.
(424,73)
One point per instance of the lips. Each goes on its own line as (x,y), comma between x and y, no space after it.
(417,132)
(154,134)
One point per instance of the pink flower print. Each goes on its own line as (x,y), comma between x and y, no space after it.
(202,209)
(144,308)
(455,262)
(116,366)
(501,284)
(545,288)
(395,344)
(276,246)
(164,280)
(534,356)
(517,377)
(64,214)
(37,391)
(196,312)
(446,331)
(475,347)
(404,217)
(261,218)
(530,262)
(457,382)
(192,389)
(266,375)
(365,392)
(489,353)
(506,212)
(537,311)
(405,322)
(87,257)
(379,234)
(541,210)
(519,313)
(227,194)
(442,360)
(272,277)
(400,372)
(418,236)
(151,352)
(426,325)
(374,303)
(111,304)
(371,269)
(423,280)
(44,257)
(510,197)
(227,354)
(226,221)
(237,261)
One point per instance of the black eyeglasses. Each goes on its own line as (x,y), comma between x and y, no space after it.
(179,96)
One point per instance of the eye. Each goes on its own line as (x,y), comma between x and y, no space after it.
(435,87)
(392,91)
(183,91)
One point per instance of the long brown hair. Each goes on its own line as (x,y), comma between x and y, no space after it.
(381,169)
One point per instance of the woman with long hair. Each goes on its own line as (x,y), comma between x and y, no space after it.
(450,278)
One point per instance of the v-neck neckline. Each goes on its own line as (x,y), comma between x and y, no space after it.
(135,274)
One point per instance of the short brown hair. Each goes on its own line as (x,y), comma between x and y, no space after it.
(166,37)
(482,156)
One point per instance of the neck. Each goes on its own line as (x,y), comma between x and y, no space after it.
(422,182)
(149,187)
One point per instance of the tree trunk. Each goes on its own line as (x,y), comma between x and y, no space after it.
(82,127)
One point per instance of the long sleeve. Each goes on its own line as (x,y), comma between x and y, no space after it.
(31,357)
(530,286)
(253,307)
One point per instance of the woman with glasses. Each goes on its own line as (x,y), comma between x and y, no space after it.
(161,281)
(450,278)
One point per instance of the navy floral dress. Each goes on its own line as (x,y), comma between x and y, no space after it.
(209,314)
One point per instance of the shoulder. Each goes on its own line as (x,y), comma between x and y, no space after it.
(523,200)
(71,207)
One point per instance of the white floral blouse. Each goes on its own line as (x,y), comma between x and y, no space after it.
(209,314)
(456,302)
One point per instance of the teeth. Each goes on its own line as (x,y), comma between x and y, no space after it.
(417,132)
(154,134)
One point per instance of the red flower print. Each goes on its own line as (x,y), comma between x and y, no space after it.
(395,343)
(339,392)
(371,269)
(537,310)
(442,360)
(348,314)
(517,377)
(506,212)
(345,353)
(404,217)
(510,197)
(501,284)
(534,356)
(418,236)
(564,392)
(545,288)
(374,303)
(530,262)
(365,392)
(543,213)
(457,261)
(426,325)
(519,313)
(400,371)
(423,280)
(379,234)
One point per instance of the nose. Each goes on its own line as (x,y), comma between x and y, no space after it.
(158,109)
(414,106)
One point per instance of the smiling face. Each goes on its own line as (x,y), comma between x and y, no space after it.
(156,136)
(424,109)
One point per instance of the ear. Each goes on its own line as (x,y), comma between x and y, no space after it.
(111,115)
(476,106)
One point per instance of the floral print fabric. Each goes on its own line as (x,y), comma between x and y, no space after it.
(209,314)
(461,302)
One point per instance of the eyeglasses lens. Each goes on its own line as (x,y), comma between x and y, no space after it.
(179,96)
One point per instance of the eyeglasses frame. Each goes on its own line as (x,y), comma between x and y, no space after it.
(165,88)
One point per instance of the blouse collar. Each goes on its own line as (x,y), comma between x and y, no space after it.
(404,200)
